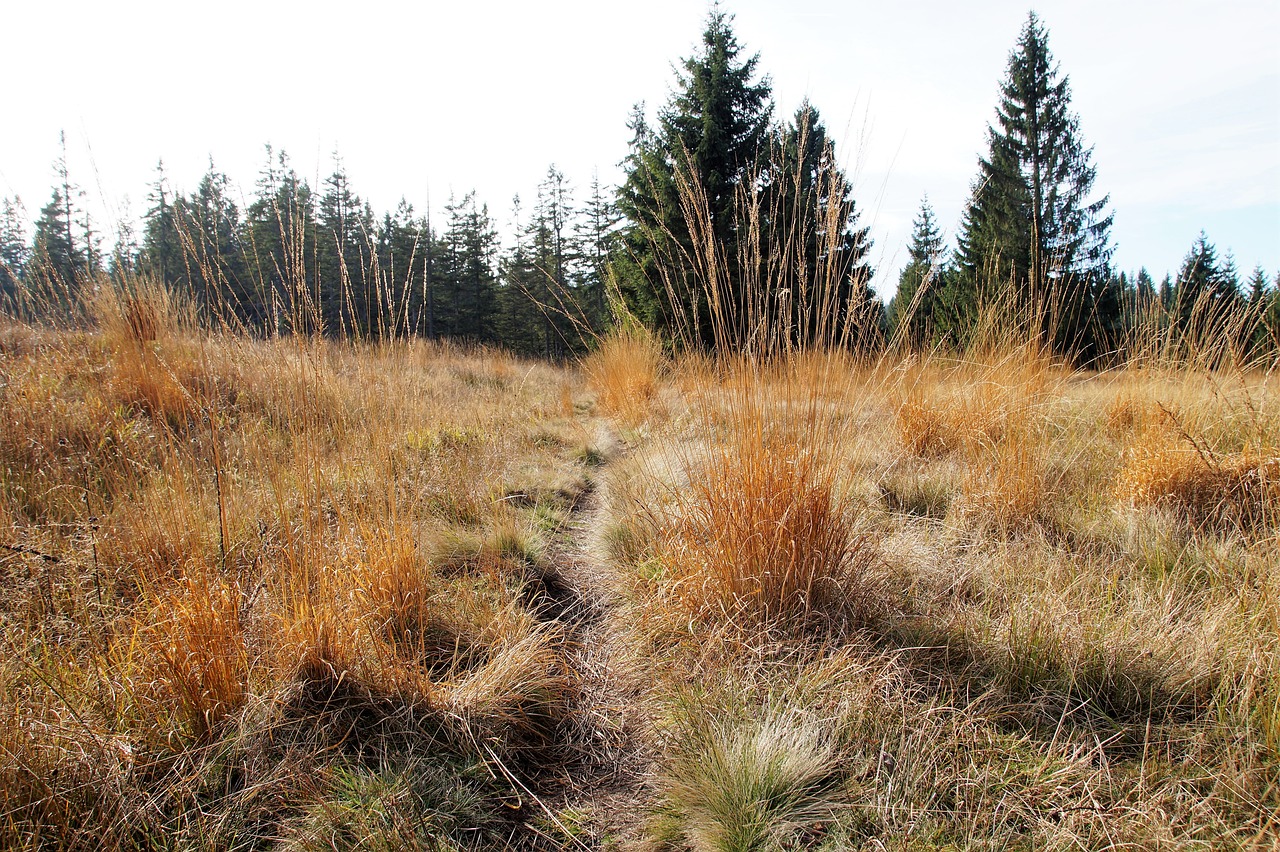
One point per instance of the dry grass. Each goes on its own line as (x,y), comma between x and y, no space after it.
(1208,489)
(1045,659)
(294,591)
(624,370)
(232,566)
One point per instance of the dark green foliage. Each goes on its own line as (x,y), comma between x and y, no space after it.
(711,135)
(350,299)
(1209,311)
(280,242)
(541,294)
(466,272)
(401,257)
(213,258)
(598,240)
(738,229)
(912,309)
(1031,226)
(13,253)
(62,253)
(816,249)
(162,253)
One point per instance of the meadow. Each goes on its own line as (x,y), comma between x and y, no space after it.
(309,594)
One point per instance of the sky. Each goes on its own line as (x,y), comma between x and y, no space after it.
(1180,101)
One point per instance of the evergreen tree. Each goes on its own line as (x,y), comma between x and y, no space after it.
(400,262)
(911,310)
(598,241)
(214,260)
(710,137)
(280,236)
(466,274)
(58,265)
(1258,301)
(1203,292)
(13,253)
(1030,223)
(125,253)
(816,250)
(343,257)
(519,324)
(162,254)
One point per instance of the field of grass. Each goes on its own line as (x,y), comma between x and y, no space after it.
(315,595)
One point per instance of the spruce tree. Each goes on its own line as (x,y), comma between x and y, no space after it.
(280,236)
(1032,222)
(710,136)
(815,248)
(343,255)
(1202,291)
(59,263)
(598,240)
(13,253)
(912,309)
(465,274)
(214,259)
(162,253)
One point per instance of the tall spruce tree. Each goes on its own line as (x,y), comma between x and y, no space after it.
(710,136)
(343,255)
(1032,222)
(465,275)
(1206,296)
(59,263)
(162,255)
(280,237)
(208,226)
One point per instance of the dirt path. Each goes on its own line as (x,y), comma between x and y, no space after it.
(592,798)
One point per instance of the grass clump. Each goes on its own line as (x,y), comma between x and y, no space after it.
(1208,489)
(624,371)
(753,786)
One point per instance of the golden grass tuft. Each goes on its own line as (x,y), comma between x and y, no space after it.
(624,371)
(765,527)
(1164,469)
(967,408)
(1007,486)
(203,665)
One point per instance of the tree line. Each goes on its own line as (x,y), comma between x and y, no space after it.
(297,260)
(732,228)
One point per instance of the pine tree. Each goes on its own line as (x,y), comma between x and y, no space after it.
(1259,297)
(912,308)
(598,239)
(401,252)
(58,265)
(465,275)
(280,236)
(162,253)
(13,253)
(816,250)
(343,257)
(711,135)
(1031,222)
(1202,290)
(124,254)
(214,259)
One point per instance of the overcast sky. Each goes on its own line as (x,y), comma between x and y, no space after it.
(1181,100)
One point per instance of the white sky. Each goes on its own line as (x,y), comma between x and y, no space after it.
(1181,100)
